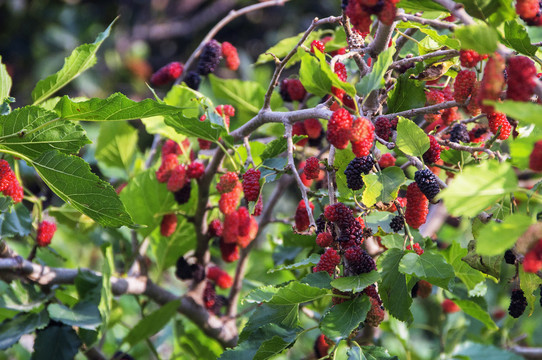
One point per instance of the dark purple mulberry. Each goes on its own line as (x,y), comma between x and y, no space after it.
(427,182)
(209,58)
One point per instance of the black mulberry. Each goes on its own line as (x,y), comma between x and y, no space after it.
(427,182)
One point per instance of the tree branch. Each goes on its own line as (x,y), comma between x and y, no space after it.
(425,110)
(470,149)
(433,23)
(456,10)
(447,54)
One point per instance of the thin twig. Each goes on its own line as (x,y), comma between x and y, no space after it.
(232,15)
(433,23)
(425,110)
(470,149)
(331,174)
(446,54)
(457,10)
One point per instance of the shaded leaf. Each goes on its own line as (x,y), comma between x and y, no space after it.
(495,238)
(375,79)
(340,320)
(11,330)
(17,222)
(479,37)
(84,315)
(311,260)
(516,37)
(394,286)
(152,323)
(470,277)
(490,265)
(356,283)
(407,94)
(429,266)
(473,350)
(530,283)
(476,311)
(117,145)
(296,293)
(5,82)
(71,179)
(320,279)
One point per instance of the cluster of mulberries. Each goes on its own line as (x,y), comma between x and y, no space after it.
(417,206)
(9,184)
(533,258)
(427,182)
(240,227)
(432,155)
(470,58)
(492,82)
(521,82)
(302,221)
(360,11)
(292,90)
(167,74)
(46,231)
(535,158)
(356,167)
(498,121)
(177,176)
(518,303)
(209,58)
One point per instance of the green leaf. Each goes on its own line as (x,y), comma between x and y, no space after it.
(152,323)
(490,265)
(470,277)
(84,315)
(194,127)
(261,294)
(526,112)
(56,343)
(516,37)
(356,283)
(106,296)
(282,315)
(530,283)
(271,347)
(11,330)
(168,249)
(382,186)
(339,321)
(472,350)
(117,145)
(482,9)
(265,342)
(394,286)
(274,148)
(476,311)
(311,260)
(375,79)
(407,94)
(81,59)
(480,37)
(320,279)
(429,266)
(317,77)
(142,208)
(116,107)
(342,159)
(32,131)
(495,238)
(420,5)
(17,222)
(89,286)
(71,179)
(376,353)
(411,139)
(297,293)
(478,187)
(5,82)
(283,47)
(439,40)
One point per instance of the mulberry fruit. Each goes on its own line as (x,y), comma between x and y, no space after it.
(397,223)
(171,147)
(387,160)
(376,314)
(209,295)
(427,182)
(15,191)
(6,175)
(358,261)
(422,289)
(251,184)
(339,128)
(463,85)
(324,239)
(535,159)
(518,303)
(388,13)
(318,45)
(219,277)
(459,133)
(328,261)
(299,129)
(469,58)
(183,195)
(498,120)
(449,307)
(338,213)
(258,208)
(244,240)
(292,90)
(416,248)
(321,346)
(509,257)
(313,128)
(169,162)
(177,179)
(521,78)
(209,58)
(192,80)
(383,128)
(354,170)
(227,182)
(492,82)
(302,220)
(230,54)
(215,228)
(312,168)
(195,170)
(229,251)
(432,155)
(527,9)
(417,206)
(362,134)
(533,258)
(231,228)
(167,74)
(46,231)
(229,201)
(168,225)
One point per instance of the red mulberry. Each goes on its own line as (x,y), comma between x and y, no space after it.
(167,74)
(292,90)
(432,155)
(229,201)
(215,228)
(492,82)
(251,184)
(469,58)
(463,85)
(313,128)
(386,160)
(521,81)
(449,307)
(168,225)
(195,170)
(171,147)
(499,120)
(230,54)
(383,128)
(46,231)
(312,168)
(227,182)
(324,239)
(328,261)
(417,206)
(209,58)
(229,251)
(169,162)
(339,128)
(302,220)
(177,179)
(535,159)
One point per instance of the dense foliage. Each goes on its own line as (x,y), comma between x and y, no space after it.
(375,196)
